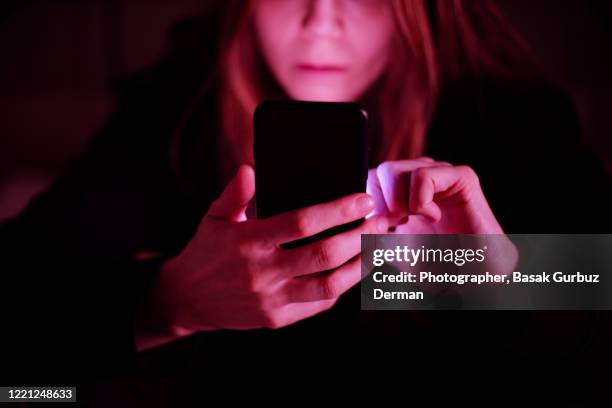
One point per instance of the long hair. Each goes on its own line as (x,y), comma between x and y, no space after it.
(436,41)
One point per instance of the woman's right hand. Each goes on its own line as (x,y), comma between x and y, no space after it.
(233,274)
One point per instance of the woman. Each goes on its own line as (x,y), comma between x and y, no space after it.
(148,239)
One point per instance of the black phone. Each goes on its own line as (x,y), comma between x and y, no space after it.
(308,153)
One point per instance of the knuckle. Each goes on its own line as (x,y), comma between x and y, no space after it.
(255,282)
(256,238)
(328,289)
(266,244)
(385,167)
(420,173)
(302,224)
(263,293)
(324,256)
(468,172)
(346,208)
(244,248)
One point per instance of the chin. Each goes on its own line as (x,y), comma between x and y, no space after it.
(321,95)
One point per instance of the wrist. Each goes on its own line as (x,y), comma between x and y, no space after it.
(156,320)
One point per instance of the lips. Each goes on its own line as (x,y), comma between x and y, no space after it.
(321,68)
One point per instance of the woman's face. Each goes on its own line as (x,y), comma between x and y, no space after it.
(325,50)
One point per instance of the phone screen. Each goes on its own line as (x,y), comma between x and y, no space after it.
(308,153)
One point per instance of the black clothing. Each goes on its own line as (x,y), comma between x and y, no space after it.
(70,282)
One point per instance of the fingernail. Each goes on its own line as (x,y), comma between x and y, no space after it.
(364,203)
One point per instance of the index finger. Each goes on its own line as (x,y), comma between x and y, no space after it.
(394,180)
(308,221)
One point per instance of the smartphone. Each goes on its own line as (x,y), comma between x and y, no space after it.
(308,153)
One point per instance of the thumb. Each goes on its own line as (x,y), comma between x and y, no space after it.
(232,202)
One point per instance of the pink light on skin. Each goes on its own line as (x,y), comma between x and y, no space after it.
(325,50)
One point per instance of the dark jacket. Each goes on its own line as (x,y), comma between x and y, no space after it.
(71,282)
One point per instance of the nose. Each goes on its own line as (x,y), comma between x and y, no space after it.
(322,18)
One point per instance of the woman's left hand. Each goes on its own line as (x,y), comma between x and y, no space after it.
(424,196)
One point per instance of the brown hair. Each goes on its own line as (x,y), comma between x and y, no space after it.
(436,41)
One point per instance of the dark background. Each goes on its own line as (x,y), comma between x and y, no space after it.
(59,59)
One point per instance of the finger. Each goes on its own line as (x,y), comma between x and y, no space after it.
(309,221)
(232,202)
(328,253)
(373,188)
(325,286)
(294,312)
(425,159)
(442,181)
(394,179)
